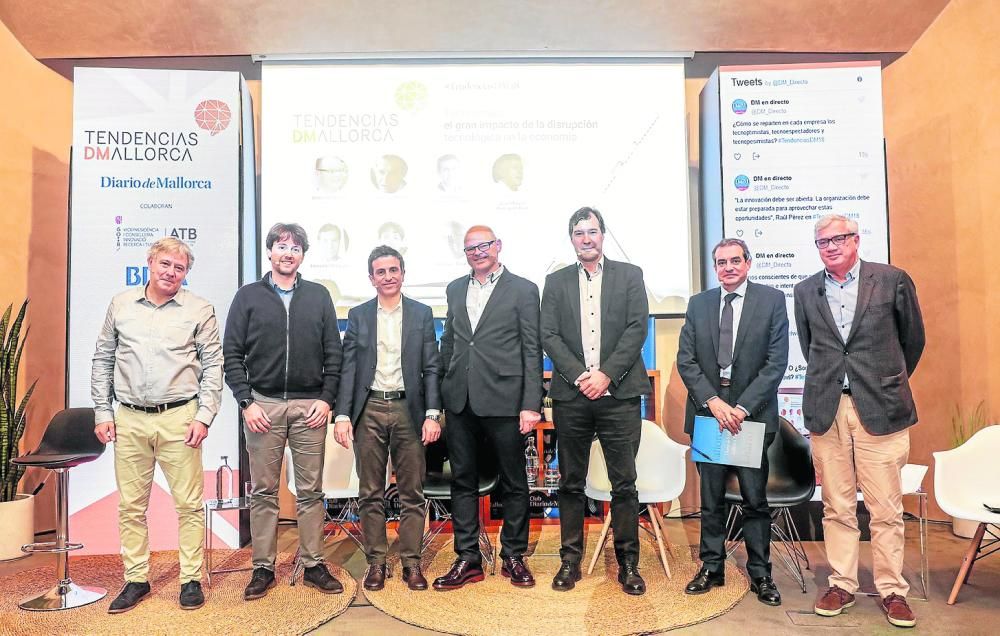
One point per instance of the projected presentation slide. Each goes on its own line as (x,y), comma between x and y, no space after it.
(411,155)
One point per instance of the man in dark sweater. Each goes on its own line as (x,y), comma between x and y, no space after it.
(282,355)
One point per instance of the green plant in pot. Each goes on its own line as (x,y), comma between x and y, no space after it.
(16,510)
(965,424)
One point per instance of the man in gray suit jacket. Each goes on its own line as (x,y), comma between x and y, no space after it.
(861,333)
(594,323)
(389,391)
(491,357)
(732,355)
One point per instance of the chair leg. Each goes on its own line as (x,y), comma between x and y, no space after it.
(65,594)
(666,536)
(970,557)
(603,539)
(659,538)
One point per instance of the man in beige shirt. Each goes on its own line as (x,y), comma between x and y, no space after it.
(159,356)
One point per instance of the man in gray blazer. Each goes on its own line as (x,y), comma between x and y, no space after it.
(594,323)
(491,357)
(861,333)
(389,404)
(732,355)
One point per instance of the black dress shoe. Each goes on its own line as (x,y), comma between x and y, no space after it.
(129,597)
(461,573)
(191,595)
(704,581)
(766,591)
(414,578)
(631,581)
(261,581)
(515,569)
(375,577)
(567,576)
(319,578)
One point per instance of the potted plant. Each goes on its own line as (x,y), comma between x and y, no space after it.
(963,426)
(16,510)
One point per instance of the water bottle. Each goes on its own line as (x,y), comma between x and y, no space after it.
(531,460)
(224,478)
(552,470)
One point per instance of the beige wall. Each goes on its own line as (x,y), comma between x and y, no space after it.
(35,132)
(942,144)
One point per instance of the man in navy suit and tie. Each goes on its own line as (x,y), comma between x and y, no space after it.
(732,355)
(491,357)
(389,404)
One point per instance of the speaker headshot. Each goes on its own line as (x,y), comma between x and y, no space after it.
(331,243)
(331,174)
(392,234)
(509,170)
(389,174)
(449,173)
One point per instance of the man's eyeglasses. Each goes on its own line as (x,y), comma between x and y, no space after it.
(840,239)
(482,247)
(281,248)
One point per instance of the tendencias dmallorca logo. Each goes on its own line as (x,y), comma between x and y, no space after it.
(211,115)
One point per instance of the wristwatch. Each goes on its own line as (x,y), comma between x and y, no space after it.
(436,417)
(244,403)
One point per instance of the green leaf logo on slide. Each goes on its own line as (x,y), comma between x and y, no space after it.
(411,96)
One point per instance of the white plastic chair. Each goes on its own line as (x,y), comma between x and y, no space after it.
(340,481)
(660,476)
(966,478)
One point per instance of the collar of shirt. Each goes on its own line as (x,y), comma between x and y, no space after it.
(278,289)
(140,297)
(740,291)
(398,307)
(490,280)
(852,274)
(583,271)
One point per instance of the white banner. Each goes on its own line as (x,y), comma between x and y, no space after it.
(155,153)
(800,142)
(411,155)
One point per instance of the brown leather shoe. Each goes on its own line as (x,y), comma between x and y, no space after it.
(375,577)
(833,602)
(897,611)
(461,573)
(515,569)
(414,578)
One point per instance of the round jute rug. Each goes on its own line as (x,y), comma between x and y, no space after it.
(596,606)
(285,610)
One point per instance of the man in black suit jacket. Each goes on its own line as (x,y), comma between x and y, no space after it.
(732,355)
(389,391)
(594,323)
(862,334)
(491,357)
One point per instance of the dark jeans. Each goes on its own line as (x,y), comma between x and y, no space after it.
(385,427)
(756,515)
(464,432)
(618,425)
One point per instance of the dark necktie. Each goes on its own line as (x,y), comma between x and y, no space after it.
(726,333)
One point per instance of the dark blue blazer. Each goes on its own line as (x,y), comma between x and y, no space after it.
(419,359)
(760,354)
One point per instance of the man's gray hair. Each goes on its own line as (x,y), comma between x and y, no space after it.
(829,219)
(170,245)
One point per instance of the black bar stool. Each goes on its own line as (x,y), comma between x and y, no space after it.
(68,441)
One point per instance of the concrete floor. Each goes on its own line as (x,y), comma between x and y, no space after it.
(976,612)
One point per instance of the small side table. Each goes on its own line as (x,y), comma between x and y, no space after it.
(211,507)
